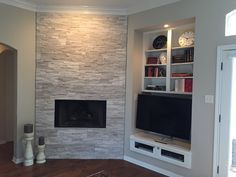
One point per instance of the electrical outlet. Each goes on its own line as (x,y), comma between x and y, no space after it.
(209,99)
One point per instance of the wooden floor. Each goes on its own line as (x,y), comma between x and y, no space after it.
(69,168)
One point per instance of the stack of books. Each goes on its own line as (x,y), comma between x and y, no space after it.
(152,60)
(178,59)
(154,71)
(151,71)
(187,56)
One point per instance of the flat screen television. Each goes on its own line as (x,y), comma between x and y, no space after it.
(168,115)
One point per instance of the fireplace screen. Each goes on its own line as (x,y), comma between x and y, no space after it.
(80,113)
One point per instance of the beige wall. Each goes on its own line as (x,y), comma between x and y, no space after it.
(18,31)
(2,99)
(210,15)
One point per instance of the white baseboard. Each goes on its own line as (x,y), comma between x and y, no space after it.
(150,167)
(2,142)
(17,160)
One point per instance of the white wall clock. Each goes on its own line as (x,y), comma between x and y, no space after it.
(187,39)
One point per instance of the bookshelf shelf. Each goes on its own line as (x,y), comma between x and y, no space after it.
(184,63)
(156,50)
(182,93)
(167,92)
(190,77)
(155,65)
(154,91)
(154,77)
(181,48)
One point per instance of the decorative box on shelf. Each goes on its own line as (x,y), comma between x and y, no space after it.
(156,87)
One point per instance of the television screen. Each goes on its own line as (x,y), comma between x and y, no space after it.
(165,114)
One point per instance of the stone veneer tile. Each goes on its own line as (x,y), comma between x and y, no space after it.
(81,57)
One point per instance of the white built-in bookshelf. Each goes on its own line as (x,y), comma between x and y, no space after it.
(163,77)
(175,76)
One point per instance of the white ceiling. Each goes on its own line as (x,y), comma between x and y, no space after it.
(93,6)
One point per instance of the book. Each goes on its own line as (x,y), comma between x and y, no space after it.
(150,71)
(156,72)
(191,55)
(188,84)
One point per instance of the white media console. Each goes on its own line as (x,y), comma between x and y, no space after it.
(169,150)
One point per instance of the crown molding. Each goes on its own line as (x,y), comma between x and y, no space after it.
(81,9)
(21,4)
(85,10)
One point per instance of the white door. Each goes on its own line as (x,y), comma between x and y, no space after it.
(227,115)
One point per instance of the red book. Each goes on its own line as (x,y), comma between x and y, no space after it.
(152,60)
(188,84)
(156,72)
(150,71)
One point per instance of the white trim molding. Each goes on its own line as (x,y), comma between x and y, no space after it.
(81,10)
(21,4)
(24,4)
(17,160)
(64,9)
(220,51)
(150,167)
(2,141)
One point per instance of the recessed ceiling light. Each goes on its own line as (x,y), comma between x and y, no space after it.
(166,25)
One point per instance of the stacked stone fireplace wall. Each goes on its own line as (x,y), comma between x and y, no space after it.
(81,57)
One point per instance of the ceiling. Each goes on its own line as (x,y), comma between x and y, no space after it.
(93,6)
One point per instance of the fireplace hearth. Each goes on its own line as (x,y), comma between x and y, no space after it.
(80,113)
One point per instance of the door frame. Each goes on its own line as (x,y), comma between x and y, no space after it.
(220,58)
(14,54)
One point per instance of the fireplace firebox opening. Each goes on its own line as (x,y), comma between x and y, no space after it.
(80,113)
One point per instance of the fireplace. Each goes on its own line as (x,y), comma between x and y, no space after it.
(80,113)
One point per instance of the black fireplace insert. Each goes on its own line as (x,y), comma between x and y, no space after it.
(80,113)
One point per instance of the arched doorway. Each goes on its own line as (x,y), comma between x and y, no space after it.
(8,95)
